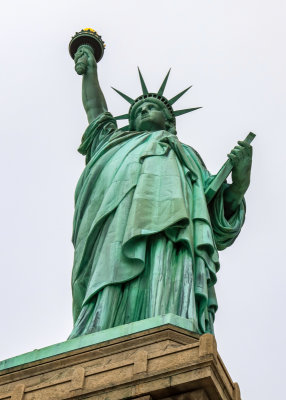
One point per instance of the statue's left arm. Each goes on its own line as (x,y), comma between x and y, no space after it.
(241,158)
(227,208)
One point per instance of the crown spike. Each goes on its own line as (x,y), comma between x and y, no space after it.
(162,88)
(143,85)
(123,116)
(174,99)
(125,97)
(185,111)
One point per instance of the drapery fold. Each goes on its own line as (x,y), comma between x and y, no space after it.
(142,192)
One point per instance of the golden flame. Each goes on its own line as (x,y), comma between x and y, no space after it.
(89,29)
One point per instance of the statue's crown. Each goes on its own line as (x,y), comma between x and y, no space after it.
(159,96)
(89,37)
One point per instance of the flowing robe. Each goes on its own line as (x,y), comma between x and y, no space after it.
(146,242)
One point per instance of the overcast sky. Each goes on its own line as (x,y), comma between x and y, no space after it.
(233,53)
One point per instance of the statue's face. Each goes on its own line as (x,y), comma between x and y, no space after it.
(149,116)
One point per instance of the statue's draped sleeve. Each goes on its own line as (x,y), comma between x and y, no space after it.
(96,134)
(225,230)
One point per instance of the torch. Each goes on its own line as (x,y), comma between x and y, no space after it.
(90,38)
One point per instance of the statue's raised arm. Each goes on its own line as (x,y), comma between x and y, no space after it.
(92,97)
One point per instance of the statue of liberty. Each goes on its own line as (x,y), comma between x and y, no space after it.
(146,240)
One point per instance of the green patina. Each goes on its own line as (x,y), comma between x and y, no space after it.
(149,218)
(146,238)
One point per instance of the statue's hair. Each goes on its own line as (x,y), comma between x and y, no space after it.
(170,119)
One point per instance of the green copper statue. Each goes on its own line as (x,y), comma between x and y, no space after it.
(146,239)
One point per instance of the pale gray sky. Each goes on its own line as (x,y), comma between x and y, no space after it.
(233,53)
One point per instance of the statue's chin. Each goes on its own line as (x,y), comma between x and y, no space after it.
(80,68)
(150,126)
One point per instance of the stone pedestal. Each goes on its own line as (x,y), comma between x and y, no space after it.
(154,359)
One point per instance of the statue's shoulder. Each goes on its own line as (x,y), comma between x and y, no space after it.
(194,154)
